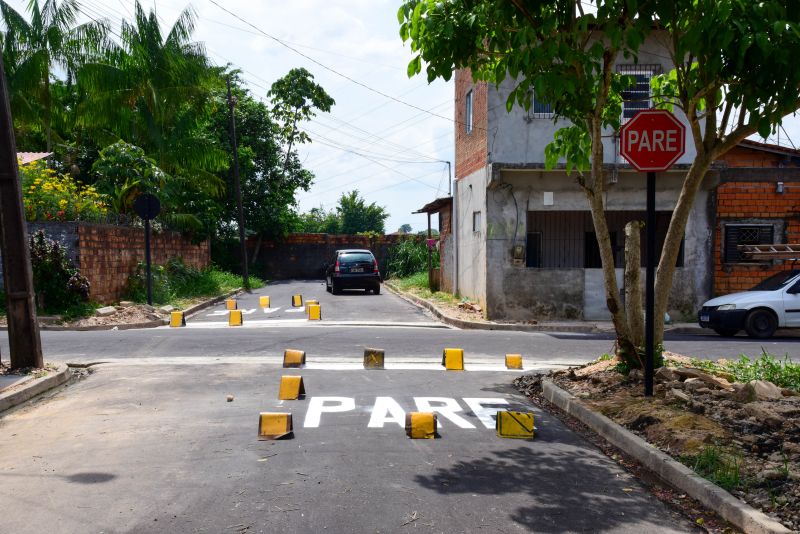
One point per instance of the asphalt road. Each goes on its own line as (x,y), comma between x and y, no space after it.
(157,448)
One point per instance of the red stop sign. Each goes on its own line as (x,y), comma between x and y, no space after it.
(652,140)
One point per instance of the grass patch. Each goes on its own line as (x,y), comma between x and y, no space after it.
(418,285)
(782,372)
(68,313)
(718,466)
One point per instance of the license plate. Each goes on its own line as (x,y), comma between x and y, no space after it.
(705,318)
(357,270)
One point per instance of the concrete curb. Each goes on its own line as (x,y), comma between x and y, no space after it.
(31,388)
(730,508)
(587,328)
(188,312)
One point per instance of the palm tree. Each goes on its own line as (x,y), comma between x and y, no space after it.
(154,91)
(33,49)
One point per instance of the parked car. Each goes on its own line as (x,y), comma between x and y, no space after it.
(774,303)
(353,269)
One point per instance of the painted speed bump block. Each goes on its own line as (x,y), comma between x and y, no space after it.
(518,425)
(453,359)
(294,358)
(291,388)
(263,302)
(177,319)
(373,358)
(421,425)
(513,361)
(310,302)
(230,304)
(235,318)
(314,312)
(274,425)
(297,301)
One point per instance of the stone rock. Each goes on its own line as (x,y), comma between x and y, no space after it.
(636,374)
(676,394)
(791,449)
(693,384)
(764,413)
(166,309)
(665,374)
(758,390)
(786,392)
(688,373)
(126,303)
(105,311)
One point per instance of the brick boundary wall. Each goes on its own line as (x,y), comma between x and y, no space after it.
(301,255)
(753,201)
(108,255)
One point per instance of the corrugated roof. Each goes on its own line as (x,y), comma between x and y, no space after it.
(436,205)
(28,157)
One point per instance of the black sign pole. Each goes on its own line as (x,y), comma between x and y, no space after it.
(147,261)
(649,322)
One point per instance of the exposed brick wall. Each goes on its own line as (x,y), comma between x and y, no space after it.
(753,201)
(444,221)
(302,255)
(471,148)
(743,156)
(108,255)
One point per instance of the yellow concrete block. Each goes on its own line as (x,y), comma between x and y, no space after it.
(421,425)
(263,302)
(235,318)
(518,425)
(294,358)
(230,304)
(513,361)
(310,302)
(297,300)
(373,358)
(291,388)
(453,359)
(177,319)
(274,425)
(314,312)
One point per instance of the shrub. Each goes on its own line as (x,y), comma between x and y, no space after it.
(409,256)
(48,196)
(56,280)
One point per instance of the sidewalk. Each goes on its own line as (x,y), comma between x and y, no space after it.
(16,389)
(584,327)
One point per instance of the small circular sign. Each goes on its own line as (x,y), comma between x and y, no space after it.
(147,206)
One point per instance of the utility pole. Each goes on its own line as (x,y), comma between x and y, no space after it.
(238,189)
(23,328)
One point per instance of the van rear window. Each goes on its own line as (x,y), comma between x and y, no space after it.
(355,257)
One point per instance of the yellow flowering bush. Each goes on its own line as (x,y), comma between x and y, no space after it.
(51,197)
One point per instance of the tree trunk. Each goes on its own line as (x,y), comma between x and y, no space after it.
(672,243)
(257,250)
(633,288)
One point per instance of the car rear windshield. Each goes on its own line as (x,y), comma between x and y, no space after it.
(776,281)
(355,257)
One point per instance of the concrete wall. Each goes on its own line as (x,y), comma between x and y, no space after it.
(472,245)
(516,292)
(516,138)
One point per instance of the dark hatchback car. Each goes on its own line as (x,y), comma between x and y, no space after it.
(353,269)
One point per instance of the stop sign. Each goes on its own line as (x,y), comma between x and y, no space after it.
(652,140)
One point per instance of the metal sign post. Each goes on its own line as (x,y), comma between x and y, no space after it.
(652,141)
(147,207)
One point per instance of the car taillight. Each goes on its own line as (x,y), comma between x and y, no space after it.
(336,267)
(374,266)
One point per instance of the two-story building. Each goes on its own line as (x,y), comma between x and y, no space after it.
(523,242)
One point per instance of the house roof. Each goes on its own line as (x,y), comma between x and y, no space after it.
(769,147)
(29,157)
(435,206)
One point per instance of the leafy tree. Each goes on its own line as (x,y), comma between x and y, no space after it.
(553,48)
(319,221)
(355,215)
(33,49)
(404,229)
(124,172)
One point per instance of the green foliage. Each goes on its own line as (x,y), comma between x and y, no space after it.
(404,229)
(124,172)
(630,362)
(176,280)
(355,215)
(294,99)
(57,282)
(319,221)
(781,372)
(717,465)
(417,280)
(408,257)
(48,196)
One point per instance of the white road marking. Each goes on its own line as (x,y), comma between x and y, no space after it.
(271,310)
(318,405)
(296,310)
(261,323)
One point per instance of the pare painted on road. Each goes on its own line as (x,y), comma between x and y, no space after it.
(475,412)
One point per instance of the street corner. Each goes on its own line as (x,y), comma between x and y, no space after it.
(16,389)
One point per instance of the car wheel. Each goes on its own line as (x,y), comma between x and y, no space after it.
(726,332)
(335,289)
(377,290)
(760,324)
